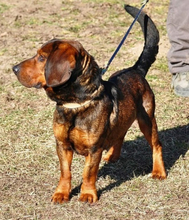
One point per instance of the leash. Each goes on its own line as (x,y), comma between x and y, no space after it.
(124,38)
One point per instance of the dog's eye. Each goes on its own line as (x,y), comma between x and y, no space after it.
(41,58)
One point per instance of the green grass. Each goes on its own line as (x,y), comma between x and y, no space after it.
(3,8)
(161,65)
(29,167)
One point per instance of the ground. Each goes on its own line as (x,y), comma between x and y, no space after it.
(29,168)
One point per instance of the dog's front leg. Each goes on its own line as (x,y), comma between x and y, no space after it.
(88,187)
(62,192)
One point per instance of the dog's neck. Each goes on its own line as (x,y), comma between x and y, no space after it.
(78,93)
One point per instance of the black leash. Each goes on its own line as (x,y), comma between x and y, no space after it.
(123,39)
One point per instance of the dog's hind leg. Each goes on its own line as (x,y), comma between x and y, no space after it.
(148,126)
(113,153)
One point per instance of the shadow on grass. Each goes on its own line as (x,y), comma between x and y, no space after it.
(136,157)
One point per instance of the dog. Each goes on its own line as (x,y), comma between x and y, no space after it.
(93,115)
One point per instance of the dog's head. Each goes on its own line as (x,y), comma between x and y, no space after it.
(53,65)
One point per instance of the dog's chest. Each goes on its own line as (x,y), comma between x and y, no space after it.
(83,141)
(81,132)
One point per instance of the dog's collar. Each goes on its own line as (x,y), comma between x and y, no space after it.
(75,105)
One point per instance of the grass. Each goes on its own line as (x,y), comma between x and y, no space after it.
(29,168)
(3,8)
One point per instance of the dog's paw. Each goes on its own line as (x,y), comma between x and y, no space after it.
(159,175)
(60,198)
(90,197)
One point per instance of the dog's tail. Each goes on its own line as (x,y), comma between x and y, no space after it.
(151,36)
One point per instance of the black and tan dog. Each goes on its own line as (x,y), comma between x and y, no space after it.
(93,115)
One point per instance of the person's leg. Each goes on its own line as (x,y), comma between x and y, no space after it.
(178,56)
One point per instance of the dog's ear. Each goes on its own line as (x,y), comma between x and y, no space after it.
(60,64)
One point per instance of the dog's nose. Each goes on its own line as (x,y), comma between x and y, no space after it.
(16,69)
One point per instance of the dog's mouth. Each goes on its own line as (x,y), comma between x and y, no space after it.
(38,86)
